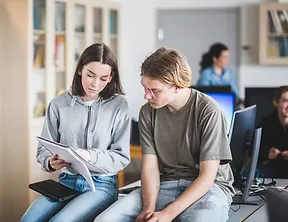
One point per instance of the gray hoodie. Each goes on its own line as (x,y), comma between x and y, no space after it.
(103,128)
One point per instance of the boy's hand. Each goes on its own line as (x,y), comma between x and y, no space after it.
(144,216)
(284,154)
(160,216)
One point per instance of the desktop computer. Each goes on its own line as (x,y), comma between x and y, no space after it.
(242,138)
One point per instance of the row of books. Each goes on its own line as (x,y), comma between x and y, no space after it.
(277,47)
(60,55)
(278,21)
(39,52)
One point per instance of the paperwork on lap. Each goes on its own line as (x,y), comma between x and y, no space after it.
(68,154)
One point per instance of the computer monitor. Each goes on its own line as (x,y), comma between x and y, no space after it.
(263,98)
(244,199)
(226,103)
(214,89)
(240,139)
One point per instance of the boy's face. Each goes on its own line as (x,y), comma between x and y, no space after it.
(157,93)
(282,106)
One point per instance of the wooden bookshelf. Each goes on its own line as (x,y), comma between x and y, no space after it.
(273,34)
(38,45)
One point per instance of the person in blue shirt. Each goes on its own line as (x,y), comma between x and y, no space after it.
(214,69)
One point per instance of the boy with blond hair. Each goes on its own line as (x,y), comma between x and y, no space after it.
(185,172)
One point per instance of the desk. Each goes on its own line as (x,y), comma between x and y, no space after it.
(135,153)
(247,213)
(261,214)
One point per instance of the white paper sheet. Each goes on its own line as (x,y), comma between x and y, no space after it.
(64,152)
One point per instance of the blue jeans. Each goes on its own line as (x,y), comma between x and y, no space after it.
(212,207)
(84,207)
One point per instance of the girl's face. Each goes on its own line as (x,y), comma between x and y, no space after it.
(222,60)
(95,77)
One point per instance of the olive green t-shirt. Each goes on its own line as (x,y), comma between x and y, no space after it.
(182,139)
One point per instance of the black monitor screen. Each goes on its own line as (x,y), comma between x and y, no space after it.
(263,98)
(213,89)
(240,137)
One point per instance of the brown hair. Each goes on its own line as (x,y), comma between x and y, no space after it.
(98,53)
(279,91)
(169,66)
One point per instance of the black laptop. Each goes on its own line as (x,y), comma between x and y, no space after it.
(54,190)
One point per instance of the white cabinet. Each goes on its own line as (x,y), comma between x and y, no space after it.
(40,41)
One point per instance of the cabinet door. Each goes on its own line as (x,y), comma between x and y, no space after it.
(113,30)
(79,30)
(60,51)
(97,25)
(38,77)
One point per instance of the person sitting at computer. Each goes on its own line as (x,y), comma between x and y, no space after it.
(214,69)
(274,143)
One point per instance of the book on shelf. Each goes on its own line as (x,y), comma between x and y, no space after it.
(60,55)
(277,47)
(278,21)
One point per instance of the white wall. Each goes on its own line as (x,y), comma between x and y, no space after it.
(250,73)
(138,26)
(138,39)
(185,4)
(14,112)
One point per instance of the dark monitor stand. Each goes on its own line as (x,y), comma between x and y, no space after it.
(244,199)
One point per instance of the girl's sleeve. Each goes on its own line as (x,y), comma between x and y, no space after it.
(50,132)
(117,156)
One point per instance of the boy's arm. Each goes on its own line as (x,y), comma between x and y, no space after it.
(150,183)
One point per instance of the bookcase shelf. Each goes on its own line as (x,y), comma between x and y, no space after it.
(273,33)
(40,43)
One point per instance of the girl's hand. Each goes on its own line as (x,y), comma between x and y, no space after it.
(85,154)
(56,163)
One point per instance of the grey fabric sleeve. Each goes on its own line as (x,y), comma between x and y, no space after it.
(117,156)
(50,132)
(214,141)
(146,131)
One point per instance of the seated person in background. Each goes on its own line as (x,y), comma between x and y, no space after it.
(274,143)
(185,172)
(214,71)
